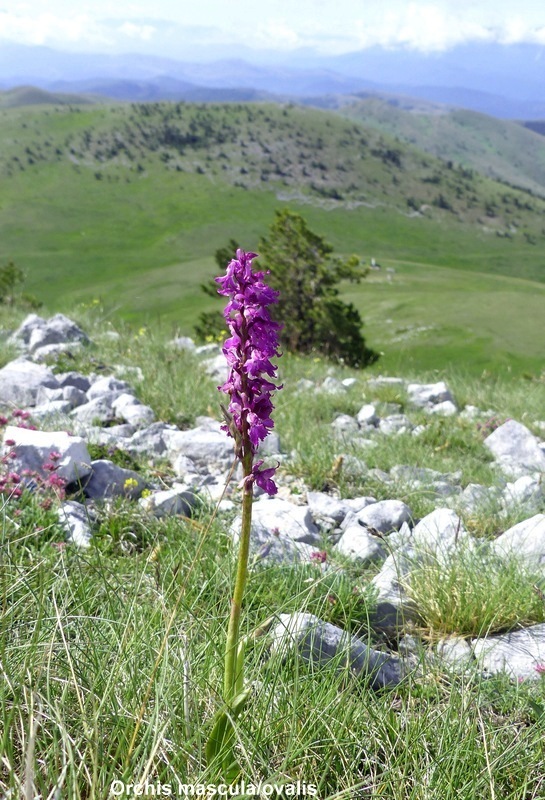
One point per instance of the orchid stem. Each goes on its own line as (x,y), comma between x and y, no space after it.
(233,665)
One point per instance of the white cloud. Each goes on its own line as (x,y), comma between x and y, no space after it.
(277,34)
(39,29)
(134,31)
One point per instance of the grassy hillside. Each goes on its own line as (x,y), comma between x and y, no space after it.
(32,96)
(501,149)
(129,203)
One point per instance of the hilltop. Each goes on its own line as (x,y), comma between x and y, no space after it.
(129,203)
(503,150)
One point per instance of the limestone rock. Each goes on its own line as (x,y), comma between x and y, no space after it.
(358,544)
(526,541)
(385,516)
(320,643)
(33,449)
(425,395)
(20,381)
(168,503)
(520,654)
(110,480)
(515,449)
(74,517)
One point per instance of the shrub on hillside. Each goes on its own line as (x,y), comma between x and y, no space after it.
(307,275)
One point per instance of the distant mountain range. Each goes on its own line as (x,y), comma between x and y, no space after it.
(506,81)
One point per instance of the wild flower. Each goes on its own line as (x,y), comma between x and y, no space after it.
(252,344)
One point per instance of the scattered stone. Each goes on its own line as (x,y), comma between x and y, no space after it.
(348,383)
(97,411)
(151,440)
(75,379)
(444,409)
(384,516)
(476,497)
(304,385)
(168,503)
(515,449)
(74,518)
(110,386)
(455,651)
(276,515)
(21,336)
(217,367)
(357,543)
(323,505)
(425,395)
(395,424)
(20,381)
(526,541)
(319,643)
(521,654)
(367,415)
(57,330)
(33,449)
(110,480)
(438,532)
(382,381)
(183,343)
(204,447)
(52,408)
(345,425)
(332,385)
(127,407)
(526,491)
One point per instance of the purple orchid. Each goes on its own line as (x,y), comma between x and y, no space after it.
(248,351)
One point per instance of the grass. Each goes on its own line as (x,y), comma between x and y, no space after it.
(145,230)
(474,593)
(96,687)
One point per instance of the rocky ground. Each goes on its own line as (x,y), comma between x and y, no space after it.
(52,418)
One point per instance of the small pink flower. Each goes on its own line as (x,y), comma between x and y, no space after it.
(54,455)
(3,420)
(17,413)
(319,556)
(10,442)
(58,545)
(540,669)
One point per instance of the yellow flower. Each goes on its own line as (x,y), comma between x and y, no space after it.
(130,483)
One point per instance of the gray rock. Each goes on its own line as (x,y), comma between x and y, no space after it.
(204,447)
(393,606)
(358,544)
(51,408)
(320,643)
(74,518)
(276,515)
(382,381)
(75,379)
(428,394)
(438,532)
(209,350)
(183,466)
(476,497)
(455,651)
(151,440)
(367,415)
(395,424)
(385,516)
(97,411)
(273,546)
(527,491)
(520,654)
(269,446)
(526,541)
(21,336)
(348,383)
(183,343)
(20,381)
(53,351)
(410,475)
(127,407)
(304,385)
(217,367)
(110,480)
(515,449)
(169,502)
(445,409)
(57,330)
(357,504)
(46,394)
(323,505)
(110,386)
(345,425)
(332,385)
(33,449)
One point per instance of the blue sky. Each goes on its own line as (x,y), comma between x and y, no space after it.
(329,26)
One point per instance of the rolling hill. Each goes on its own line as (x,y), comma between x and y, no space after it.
(501,149)
(128,203)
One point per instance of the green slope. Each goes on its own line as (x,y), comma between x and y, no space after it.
(501,149)
(129,203)
(32,96)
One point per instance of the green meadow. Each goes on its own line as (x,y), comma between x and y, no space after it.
(127,204)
